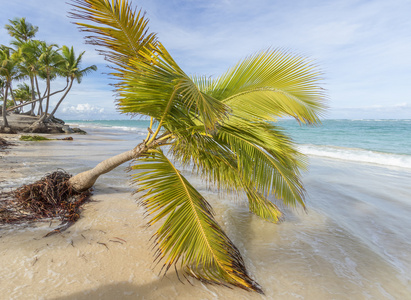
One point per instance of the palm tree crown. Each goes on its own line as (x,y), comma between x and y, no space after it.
(225,128)
(23,92)
(71,65)
(21,30)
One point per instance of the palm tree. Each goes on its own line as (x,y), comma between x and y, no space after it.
(225,128)
(71,69)
(24,93)
(50,61)
(9,71)
(29,54)
(21,30)
(2,86)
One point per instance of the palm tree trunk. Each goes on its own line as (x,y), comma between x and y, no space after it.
(37,100)
(44,116)
(33,96)
(61,100)
(40,111)
(86,180)
(14,100)
(4,111)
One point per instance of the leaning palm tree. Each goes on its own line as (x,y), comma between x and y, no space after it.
(224,128)
(71,69)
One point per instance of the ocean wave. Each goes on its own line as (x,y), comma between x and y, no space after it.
(358,155)
(107,126)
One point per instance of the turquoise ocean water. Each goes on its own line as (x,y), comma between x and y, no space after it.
(384,142)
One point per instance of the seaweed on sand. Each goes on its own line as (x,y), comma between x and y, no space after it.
(33,138)
(50,197)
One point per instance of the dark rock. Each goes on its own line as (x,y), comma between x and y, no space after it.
(39,127)
(78,130)
(67,129)
(57,120)
(69,138)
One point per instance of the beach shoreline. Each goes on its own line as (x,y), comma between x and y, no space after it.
(325,253)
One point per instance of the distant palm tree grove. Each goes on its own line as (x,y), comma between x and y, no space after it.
(25,63)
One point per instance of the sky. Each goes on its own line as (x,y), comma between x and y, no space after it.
(363,47)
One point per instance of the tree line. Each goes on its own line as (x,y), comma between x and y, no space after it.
(34,60)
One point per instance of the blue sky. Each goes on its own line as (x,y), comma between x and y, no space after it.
(362,47)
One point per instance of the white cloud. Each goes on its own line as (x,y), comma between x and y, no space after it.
(83,109)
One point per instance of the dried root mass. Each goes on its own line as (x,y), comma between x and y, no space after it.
(50,197)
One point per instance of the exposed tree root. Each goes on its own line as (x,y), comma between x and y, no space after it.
(50,197)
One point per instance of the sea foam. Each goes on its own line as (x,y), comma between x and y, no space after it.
(358,155)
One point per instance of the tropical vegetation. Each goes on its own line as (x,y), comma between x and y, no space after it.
(223,128)
(29,59)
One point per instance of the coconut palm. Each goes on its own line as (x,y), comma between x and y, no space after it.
(71,69)
(2,86)
(21,30)
(9,71)
(23,93)
(29,54)
(50,61)
(225,128)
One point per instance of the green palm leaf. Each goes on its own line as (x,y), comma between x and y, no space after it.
(189,232)
(266,158)
(262,207)
(272,84)
(121,30)
(218,164)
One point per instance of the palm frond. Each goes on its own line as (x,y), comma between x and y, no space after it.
(121,30)
(265,157)
(217,164)
(272,83)
(189,233)
(261,206)
(254,158)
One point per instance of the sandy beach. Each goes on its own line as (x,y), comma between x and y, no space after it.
(351,244)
